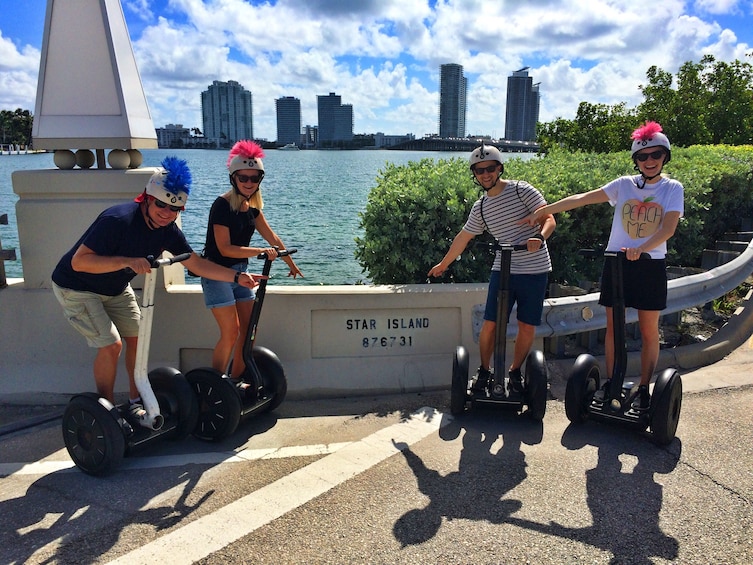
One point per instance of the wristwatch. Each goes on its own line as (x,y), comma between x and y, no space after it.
(237,276)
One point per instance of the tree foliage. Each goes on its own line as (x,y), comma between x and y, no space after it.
(415,211)
(709,102)
(15,127)
(410,219)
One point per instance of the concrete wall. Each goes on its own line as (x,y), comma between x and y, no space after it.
(330,339)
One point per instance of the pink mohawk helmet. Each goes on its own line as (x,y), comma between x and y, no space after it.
(650,135)
(245,155)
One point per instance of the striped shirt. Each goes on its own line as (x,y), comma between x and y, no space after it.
(499,216)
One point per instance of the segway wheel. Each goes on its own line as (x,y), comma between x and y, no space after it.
(274,382)
(177,401)
(536,378)
(459,389)
(219,404)
(92,435)
(666,402)
(582,384)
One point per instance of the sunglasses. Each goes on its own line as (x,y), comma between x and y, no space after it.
(248,178)
(643,157)
(161,204)
(480,170)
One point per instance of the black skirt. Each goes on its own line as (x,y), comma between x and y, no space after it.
(644,284)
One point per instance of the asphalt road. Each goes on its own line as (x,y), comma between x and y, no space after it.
(396,480)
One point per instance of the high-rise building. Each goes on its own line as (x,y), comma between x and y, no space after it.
(522,112)
(227,113)
(452,91)
(335,119)
(288,120)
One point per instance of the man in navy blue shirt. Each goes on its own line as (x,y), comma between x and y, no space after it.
(92,280)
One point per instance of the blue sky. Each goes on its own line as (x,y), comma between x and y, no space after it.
(383,56)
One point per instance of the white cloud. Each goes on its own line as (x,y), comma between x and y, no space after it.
(383,56)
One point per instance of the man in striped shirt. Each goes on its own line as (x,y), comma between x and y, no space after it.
(498,211)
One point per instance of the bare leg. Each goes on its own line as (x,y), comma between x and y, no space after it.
(244,310)
(523,344)
(609,343)
(227,321)
(648,322)
(130,363)
(106,368)
(486,342)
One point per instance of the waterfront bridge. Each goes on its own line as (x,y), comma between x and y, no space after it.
(467,145)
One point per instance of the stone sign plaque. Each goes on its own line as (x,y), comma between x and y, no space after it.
(381,333)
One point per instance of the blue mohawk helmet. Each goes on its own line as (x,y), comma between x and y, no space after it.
(172,183)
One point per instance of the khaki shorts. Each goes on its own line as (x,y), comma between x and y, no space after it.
(101,319)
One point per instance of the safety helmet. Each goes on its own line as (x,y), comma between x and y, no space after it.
(245,155)
(486,153)
(170,184)
(649,135)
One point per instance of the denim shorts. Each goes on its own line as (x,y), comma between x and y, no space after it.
(218,294)
(528,291)
(101,319)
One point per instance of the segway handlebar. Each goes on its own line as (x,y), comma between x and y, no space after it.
(602,253)
(497,246)
(280,253)
(157,263)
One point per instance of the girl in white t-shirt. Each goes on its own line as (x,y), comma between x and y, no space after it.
(647,209)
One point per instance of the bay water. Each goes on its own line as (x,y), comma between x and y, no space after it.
(312,200)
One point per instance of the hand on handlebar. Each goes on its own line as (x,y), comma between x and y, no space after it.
(139,265)
(634,253)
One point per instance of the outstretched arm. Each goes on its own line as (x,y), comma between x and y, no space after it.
(456,249)
(596,196)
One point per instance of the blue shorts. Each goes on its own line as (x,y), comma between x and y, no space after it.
(218,294)
(528,291)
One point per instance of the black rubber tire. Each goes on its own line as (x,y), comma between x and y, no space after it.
(274,382)
(92,435)
(219,404)
(666,403)
(459,390)
(176,399)
(536,381)
(582,383)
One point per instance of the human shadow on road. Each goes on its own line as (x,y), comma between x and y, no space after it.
(625,504)
(477,490)
(70,517)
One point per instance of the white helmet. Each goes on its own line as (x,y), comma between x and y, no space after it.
(486,153)
(170,184)
(245,155)
(649,135)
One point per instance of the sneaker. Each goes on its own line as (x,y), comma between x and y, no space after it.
(515,382)
(601,394)
(240,384)
(641,400)
(481,380)
(136,411)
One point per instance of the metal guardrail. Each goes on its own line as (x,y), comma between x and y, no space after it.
(5,254)
(576,314)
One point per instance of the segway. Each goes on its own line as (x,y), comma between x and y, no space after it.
(98,434)
(264,373)
(498,393)
(663,414)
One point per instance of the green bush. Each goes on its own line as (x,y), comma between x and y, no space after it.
(415,210)
(411,217)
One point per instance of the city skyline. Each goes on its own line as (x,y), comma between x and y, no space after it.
(384,57)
